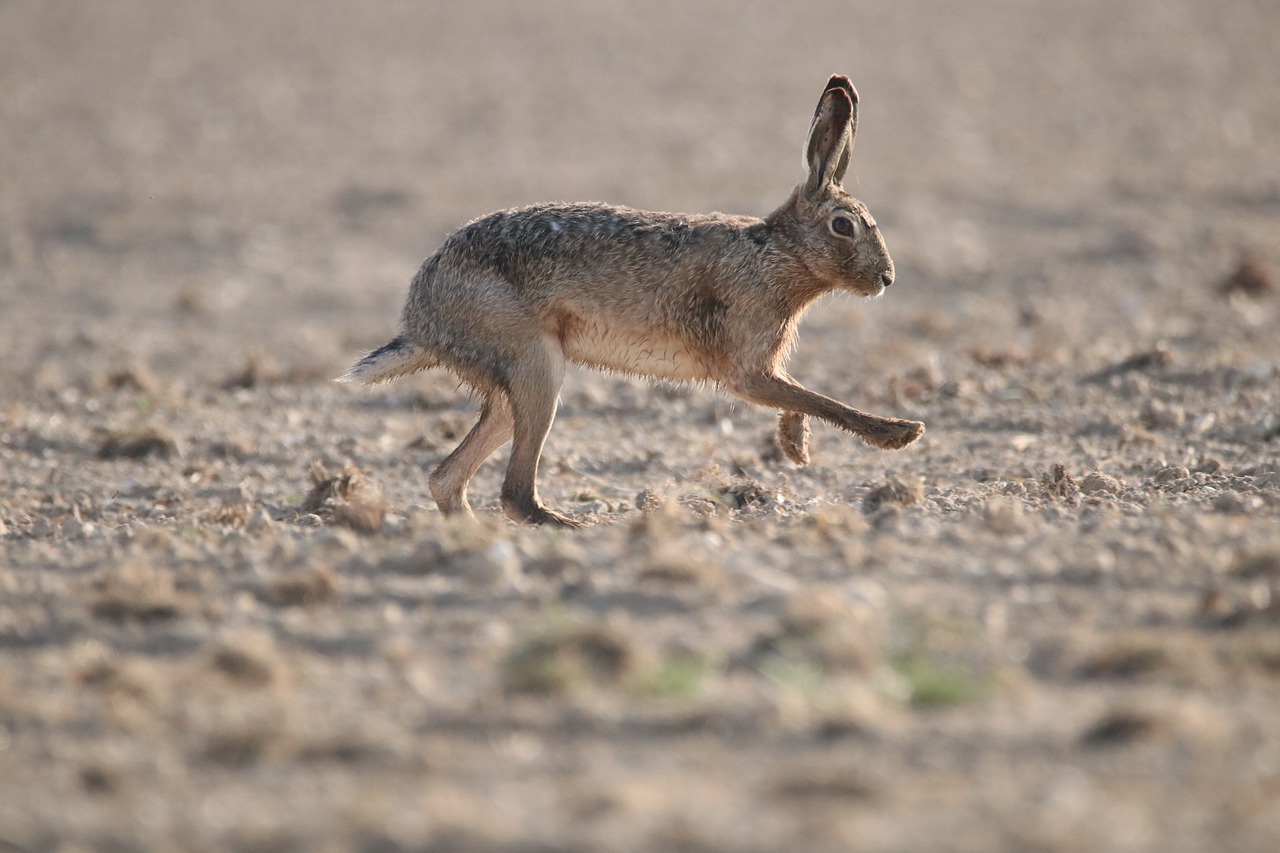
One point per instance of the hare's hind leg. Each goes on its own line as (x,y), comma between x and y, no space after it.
(533,390)
(488,335)
(449,480)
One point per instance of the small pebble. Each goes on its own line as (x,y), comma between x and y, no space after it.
(1100,483)
(648,501)
(1171,475)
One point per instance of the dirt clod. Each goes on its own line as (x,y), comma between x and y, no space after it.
(303,587)
(893,492)
(248,665)
(133,378)
(677,567)
(1125,660)
(348,498)
(1158,415)
(1251,277)
(1173,474)
(327,489)
(744,494)
(1059,484)
(820,630)
(1098,483)
(137,444)
(1256,565)
(1160,356)
(649,501)
(135,590)
(1120,727)
(562,657)
(842,786)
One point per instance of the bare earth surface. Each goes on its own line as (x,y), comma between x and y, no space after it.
(231,617)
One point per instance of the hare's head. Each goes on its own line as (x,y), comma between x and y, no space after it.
(833,233)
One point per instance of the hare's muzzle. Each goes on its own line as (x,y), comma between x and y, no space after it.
(886,278)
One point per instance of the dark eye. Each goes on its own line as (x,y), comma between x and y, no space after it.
(842,225)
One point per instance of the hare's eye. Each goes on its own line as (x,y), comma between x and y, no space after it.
(842,225)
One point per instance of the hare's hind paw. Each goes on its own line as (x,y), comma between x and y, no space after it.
(893,433)
(551,518)
(793,437)
(533,512)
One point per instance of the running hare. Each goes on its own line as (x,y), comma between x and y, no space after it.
(511,297)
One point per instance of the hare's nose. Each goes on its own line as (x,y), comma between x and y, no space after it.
(886,278)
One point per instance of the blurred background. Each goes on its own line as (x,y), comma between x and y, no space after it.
(188,182)
(207,210)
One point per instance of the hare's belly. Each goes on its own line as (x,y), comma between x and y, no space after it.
(601,344)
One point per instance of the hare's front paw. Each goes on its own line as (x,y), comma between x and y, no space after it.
(894,433)
(793,437)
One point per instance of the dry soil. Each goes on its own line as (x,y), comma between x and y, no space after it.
(231,617)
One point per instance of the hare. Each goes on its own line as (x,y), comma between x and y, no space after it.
(512,296)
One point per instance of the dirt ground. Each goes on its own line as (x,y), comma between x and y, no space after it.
(231,617)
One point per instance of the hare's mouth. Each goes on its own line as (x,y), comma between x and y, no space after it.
(871,289)
(880,285)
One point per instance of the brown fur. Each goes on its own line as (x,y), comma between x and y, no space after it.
(511,297)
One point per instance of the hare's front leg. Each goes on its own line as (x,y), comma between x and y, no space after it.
(533,390)
(793,436)
(782,392)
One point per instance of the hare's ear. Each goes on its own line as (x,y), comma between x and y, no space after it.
(835,123)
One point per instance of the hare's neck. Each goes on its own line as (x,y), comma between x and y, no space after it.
(799,282)
(804,293)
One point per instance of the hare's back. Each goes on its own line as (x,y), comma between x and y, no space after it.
(622,289)
(561,247)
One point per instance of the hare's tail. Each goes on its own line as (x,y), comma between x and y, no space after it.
(397,358)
